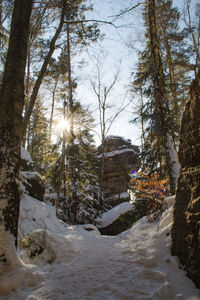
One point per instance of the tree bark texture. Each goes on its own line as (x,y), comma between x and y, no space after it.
(160,98)
(186,224)
(11,108)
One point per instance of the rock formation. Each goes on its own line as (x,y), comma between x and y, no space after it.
(126,220)
(121,158)
(32,181)
(186,225)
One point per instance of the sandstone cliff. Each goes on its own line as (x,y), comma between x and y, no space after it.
(121,158)
(186,226)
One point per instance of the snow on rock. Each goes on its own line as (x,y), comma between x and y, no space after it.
(33,183)
(137,264)
(122,195)
(30,174)
(110,216)
(112,137)
(116,152)
(26,156)
(38,215)
(50,198)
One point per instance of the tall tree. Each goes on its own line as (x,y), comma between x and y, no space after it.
(71,11)
(44,66)
(160,98)
(39,145)
(81,196)
(158,78)
(193,32)
(102,92)
(11,108)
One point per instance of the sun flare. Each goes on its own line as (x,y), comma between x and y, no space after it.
(63,124)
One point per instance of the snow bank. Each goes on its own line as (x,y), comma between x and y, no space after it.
(110,216)
(35,214)
(26,156)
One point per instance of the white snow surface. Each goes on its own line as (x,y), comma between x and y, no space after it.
(121,195)
(112,137)
(78,264)
(116,152)
(110,216)
(26,156)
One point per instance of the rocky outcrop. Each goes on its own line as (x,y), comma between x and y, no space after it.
(26,160)
(122,223)
(33,182)
(186,225)
(126,220)
(121,157)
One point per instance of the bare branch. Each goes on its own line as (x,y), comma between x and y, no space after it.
(107,90)
(122,108)
(92,20)
(126,10)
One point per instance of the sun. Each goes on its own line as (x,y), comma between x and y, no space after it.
(63,124)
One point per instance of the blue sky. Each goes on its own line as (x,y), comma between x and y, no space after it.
(116,51)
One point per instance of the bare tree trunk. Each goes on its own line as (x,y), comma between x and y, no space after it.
(69,72)
(52,107)
(11,108)
(62,175)
(142,128)
(161,104)
(27,89)
(102,93)
(43,70)
(195,38)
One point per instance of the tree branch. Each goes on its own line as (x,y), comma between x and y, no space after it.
(126,10)
(92,20)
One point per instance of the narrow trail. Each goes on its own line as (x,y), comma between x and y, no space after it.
(133,265)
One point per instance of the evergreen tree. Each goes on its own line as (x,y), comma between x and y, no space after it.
(175,66)
(39,145)
(70,12)
(81,192)
(192,25)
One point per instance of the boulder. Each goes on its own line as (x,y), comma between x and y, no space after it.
(34,184)
(126,220)
(186,224)
(122,223)
(26,160)
(120,158)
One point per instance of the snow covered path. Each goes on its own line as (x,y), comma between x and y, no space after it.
(87,266)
